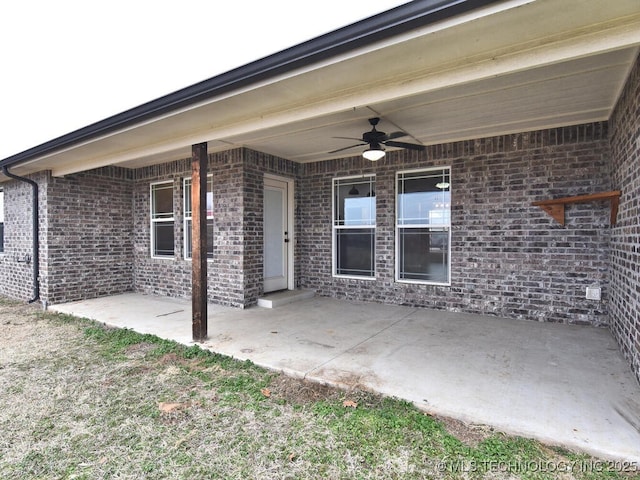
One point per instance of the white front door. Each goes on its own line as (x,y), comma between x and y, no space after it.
(277,234)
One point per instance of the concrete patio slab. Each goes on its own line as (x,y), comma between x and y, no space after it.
(564,385)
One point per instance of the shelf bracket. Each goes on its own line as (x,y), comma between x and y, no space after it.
(555,207)
(556,211)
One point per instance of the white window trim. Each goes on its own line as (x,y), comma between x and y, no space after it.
(397,228)
(160,220)
(334,227)
(190,217)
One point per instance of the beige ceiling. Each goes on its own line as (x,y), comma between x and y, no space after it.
(516,66)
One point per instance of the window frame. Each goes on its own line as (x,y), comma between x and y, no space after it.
(153,220)
(335,227)
(186,218)
(445,226)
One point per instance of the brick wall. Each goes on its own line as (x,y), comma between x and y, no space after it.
(235,273)
(172,276)
(256,165)
(508,258)
(15,272)
(88,248)
(625,242)
(226,269)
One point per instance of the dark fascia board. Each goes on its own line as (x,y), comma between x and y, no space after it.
(385,25)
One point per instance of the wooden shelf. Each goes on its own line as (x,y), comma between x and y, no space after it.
(555,207)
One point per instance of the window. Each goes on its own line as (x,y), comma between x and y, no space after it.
(162,223)
(1,220)
(354,226)
(187,217)
(423,226)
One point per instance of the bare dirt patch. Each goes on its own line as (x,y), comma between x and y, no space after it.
(468,434)
(302,392)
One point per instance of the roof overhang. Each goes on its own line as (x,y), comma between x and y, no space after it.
(499,67)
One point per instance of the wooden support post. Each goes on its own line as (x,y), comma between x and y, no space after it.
(199,241)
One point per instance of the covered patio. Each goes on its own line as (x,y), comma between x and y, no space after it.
(562,384)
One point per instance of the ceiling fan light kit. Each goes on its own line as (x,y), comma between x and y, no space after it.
(374,152)
(377,140)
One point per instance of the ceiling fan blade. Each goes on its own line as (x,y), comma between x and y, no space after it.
(347,148)
(393,135)
(410,146)
(349,138)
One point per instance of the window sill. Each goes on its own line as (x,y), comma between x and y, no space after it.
(422,282)
(354,277)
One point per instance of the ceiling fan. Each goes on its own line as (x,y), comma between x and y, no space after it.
(377,140)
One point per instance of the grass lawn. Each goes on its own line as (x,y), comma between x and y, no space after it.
(81,401)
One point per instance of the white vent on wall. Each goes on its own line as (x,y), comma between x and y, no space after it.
(593,293)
